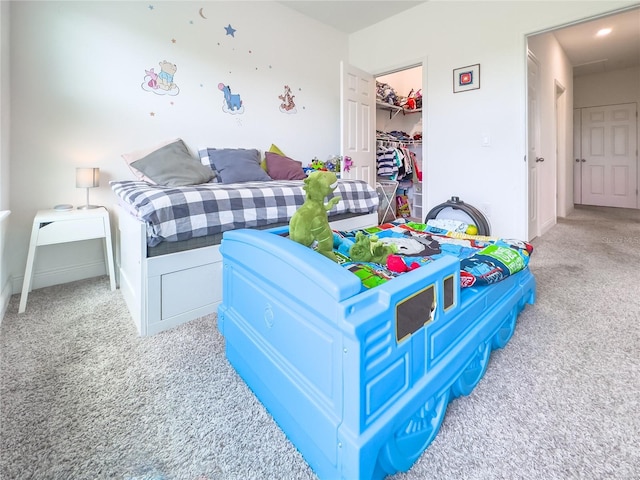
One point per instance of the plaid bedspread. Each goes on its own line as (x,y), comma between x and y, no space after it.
(180,213)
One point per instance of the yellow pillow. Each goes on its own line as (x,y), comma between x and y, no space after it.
(272,149)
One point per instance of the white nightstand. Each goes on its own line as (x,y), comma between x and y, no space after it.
(52,226)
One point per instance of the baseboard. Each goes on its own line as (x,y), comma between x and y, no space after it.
(5,296)
(61,275)
(544,228)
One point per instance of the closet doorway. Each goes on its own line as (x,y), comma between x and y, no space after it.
(399,135)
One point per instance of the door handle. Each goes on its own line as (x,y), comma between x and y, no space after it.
(539,159)
(577,160)
(583,160)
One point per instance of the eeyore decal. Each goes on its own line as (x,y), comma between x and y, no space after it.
(232,101)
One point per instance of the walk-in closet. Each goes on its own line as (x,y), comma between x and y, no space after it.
(399,132)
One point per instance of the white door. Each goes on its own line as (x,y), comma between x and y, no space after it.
(358,117)
(533,160)
(609,156)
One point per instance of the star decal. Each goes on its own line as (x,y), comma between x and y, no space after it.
(173,40)
(230,30)
(152,114)
(150,7)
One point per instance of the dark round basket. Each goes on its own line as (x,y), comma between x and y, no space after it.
(456,209)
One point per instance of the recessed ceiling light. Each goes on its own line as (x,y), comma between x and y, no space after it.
(603,32)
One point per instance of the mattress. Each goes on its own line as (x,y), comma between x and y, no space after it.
(165,248)
(175,214)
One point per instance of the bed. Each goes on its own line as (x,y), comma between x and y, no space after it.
(359,375)
(167,249)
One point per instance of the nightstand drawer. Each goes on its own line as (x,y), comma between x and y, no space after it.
(71,230)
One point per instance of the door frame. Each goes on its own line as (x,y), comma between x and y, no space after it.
(565,197)
(562,158)
(533,220)
(417,62)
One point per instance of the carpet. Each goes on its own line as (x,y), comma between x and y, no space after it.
(83,397)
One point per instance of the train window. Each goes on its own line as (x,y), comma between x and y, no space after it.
(449,293)
(414,312)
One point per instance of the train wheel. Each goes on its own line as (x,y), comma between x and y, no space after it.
(505,332)
(408,442)
(472,374)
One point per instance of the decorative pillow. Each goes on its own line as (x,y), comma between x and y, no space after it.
(138,154)
(272,149)
(236,165)
(203,153)
(173,166)
(280,167)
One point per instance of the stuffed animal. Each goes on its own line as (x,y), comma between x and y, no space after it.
(370,249)
(309,225)
(411,101)
(395,263)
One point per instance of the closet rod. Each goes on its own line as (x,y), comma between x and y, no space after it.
(398,143)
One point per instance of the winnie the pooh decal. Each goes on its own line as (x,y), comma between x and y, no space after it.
(161,83)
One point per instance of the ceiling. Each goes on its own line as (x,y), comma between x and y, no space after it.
(591,54)
(586,52)
(350,16)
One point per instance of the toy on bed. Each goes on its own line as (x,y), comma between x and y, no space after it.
(309,225)
(483,260)
(367,248)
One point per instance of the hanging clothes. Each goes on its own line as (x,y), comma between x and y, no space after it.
(386,162)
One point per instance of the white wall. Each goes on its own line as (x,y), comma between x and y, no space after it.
(607,88)
(456,34)
(77,100)
(5,110)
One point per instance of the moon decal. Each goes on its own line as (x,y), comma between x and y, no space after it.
(202,14)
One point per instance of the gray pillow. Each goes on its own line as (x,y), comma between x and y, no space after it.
(236,165)
(173,166)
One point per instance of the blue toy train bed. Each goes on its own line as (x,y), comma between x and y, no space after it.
(359,376)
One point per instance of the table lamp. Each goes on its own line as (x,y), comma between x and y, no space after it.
(87,178)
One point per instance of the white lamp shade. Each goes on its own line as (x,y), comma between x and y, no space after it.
(87,177)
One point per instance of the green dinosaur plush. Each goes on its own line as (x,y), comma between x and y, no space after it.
(309,224)
(370,249)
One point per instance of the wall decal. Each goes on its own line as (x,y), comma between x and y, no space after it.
(161,83)
(230,30)
(232,101)
(287,105)
(202,13)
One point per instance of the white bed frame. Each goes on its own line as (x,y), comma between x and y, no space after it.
(166,291)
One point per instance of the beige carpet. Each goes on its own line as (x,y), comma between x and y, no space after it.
(82,397)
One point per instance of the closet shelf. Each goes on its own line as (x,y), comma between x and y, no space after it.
(395,109)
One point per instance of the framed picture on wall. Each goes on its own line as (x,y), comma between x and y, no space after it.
(466,78)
